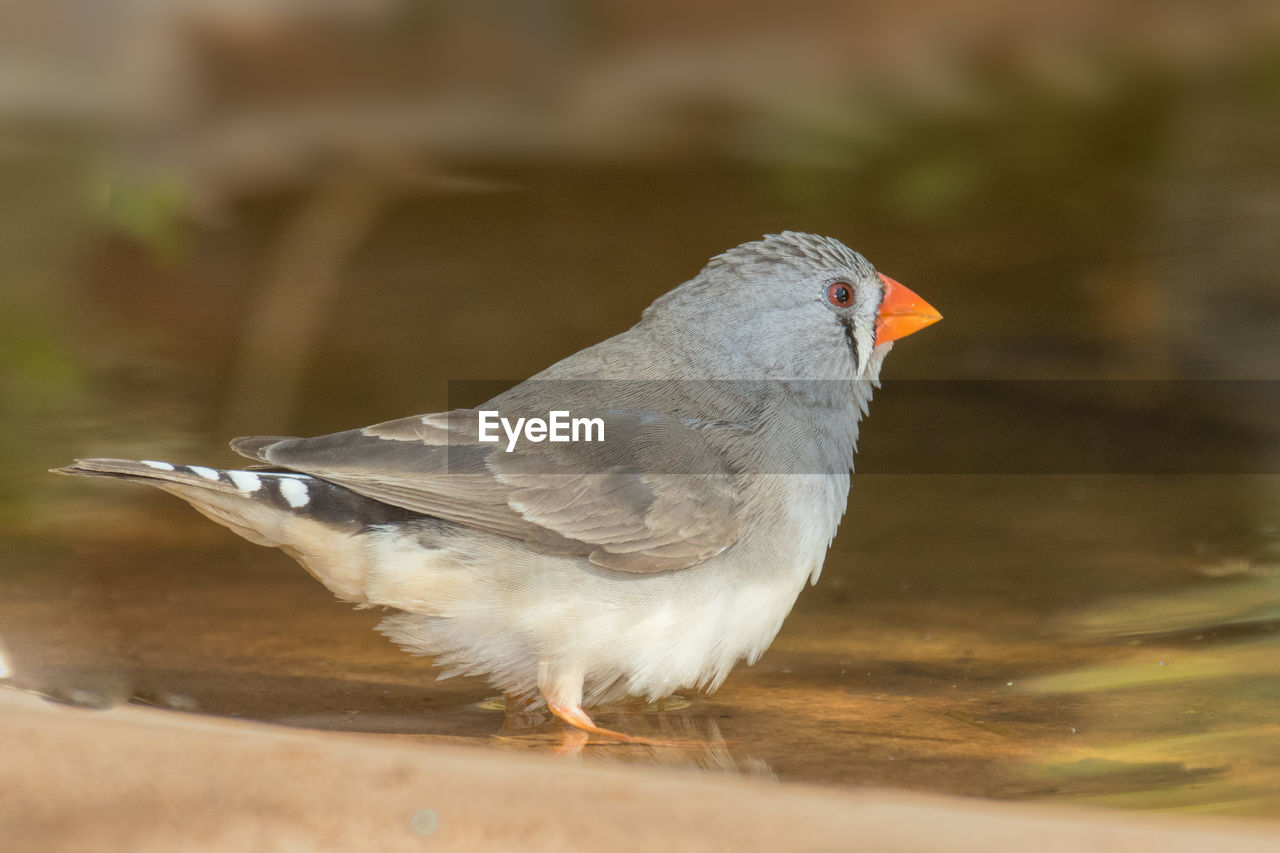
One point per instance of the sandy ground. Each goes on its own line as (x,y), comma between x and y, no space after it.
(140,779)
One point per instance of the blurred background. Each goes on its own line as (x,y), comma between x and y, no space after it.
(244,216)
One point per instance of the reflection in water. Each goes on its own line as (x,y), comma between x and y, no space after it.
(1243,593)
(1198,677)
(668,738)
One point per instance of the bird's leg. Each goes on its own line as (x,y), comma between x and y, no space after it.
(583,724)
(561,686)
(576,717)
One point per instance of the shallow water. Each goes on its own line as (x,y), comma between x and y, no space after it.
(1098,630)
(1030,638)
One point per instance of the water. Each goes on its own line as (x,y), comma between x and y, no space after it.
(967,637)
(1078,635)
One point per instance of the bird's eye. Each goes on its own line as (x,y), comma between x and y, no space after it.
(839,294)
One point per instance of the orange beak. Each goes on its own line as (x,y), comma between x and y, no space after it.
(901,312)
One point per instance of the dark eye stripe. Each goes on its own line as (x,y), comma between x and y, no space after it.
(847,322)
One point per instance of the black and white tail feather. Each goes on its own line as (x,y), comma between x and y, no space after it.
(316,522)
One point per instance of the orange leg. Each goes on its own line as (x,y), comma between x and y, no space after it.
(576,717)
(561,687)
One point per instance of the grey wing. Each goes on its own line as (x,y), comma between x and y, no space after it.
(652,496)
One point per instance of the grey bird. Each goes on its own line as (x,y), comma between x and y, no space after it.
(571,573)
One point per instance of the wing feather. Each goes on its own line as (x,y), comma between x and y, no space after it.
(655,495)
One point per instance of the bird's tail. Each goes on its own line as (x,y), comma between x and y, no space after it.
(315,521)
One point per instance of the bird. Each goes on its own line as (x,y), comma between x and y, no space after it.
(575,573)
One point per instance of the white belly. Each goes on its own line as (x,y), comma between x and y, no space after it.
(487,606)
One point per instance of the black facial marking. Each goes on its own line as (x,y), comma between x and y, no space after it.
(847,322)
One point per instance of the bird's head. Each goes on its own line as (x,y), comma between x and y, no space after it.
(792,305)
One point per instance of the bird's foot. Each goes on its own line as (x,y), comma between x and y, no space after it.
(578,718)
